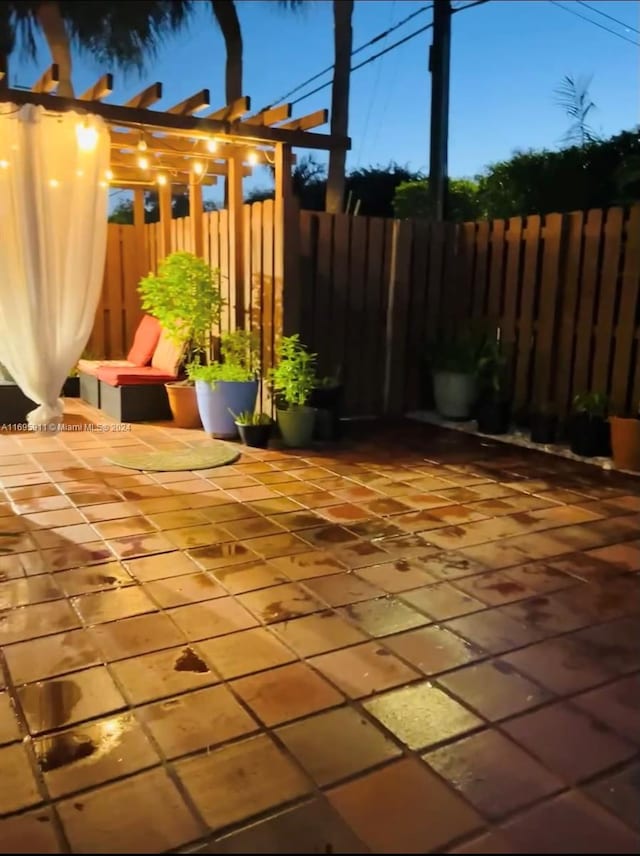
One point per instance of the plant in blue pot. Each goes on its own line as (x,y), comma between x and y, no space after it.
(229,385)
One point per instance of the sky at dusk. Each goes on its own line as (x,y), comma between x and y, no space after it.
(507,58)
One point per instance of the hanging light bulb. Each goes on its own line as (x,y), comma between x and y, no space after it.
(53,182)
(109,175)
(198,168)
(4,164)
(103,184)
(87,137)
(212,145)
(161,179)
(252,158)
(142,144)
(79,173)
(143,162)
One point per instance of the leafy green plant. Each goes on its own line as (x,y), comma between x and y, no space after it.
(459,354)
(593,404)
(240,360)
(248,417)
(294,376)
(185,298)
(493,369)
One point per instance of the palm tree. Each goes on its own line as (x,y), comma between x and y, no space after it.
(573,96)
(226,15)
(124,34)
(343,45)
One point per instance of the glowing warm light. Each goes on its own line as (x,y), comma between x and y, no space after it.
(198,168)
(4,164)
(53,182)
(162,179)
(103,184)
(212,146)
(143,163)
(79,173)
(142,145)
(252,157)
(87,138)
(108,175)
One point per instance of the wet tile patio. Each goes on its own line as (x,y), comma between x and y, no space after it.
(414,642)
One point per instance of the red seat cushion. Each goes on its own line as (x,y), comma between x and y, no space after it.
(145,341)
(92,367)
(134,376)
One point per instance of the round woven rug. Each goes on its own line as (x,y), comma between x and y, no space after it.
(216,455)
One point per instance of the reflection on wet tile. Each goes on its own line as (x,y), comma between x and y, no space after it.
(362,670)
(183,590)
(243,653)
(92,754)
(138,635)
(421,715)
(28,591)
(382,616)
(620,793)
(66,700)
(280,603)
(241,780)
(88,820)
(341,589)
(433,649)
(212,618)
(92,578)
(9,728)
(111,605)
(616,704)
(28,622)
(318,633)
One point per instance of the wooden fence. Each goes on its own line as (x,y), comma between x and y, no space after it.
(372,293)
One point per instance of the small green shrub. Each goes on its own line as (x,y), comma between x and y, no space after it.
(247,417)
(240,352)
(594,404)
(294,376)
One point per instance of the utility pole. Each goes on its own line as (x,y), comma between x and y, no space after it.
(439,64)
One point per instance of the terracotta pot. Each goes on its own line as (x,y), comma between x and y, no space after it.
(184,405)
(625,443)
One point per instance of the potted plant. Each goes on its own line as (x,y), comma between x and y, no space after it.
(494,405)
(228,386)
(589,435)
(293,379)
(625,441)
(254,428)
(185,298)
(544,424)
(326,398)
(454,364)
(71,387)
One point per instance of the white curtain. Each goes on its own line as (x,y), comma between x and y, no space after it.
(53,234)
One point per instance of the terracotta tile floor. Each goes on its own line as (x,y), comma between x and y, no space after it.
(415,642)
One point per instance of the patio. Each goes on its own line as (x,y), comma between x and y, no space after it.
(414,642)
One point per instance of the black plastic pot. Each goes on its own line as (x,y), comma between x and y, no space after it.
(256,436)
(544,428)
(327,401)
(71,388)
(590,436)
(493,417)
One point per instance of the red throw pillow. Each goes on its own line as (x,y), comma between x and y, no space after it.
(145,341)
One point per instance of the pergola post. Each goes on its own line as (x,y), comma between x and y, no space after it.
(286,262)
(164,202)
(236,239)
(195,216)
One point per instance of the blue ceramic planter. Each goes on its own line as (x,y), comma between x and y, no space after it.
(215,402)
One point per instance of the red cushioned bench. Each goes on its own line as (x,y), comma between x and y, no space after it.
(145,341)
(137,393)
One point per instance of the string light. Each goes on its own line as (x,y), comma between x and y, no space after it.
(53,182)
(108,175)
(252,158)
(4,164)
(161,179)
(79,173)
(212,146)
(142,144)
(198,168)
(103,184)
(87,137)
(143,162)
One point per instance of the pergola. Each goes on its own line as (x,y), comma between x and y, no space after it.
(175,149)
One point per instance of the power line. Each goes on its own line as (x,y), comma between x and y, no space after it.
(595,23)
(610,17)
(368,44)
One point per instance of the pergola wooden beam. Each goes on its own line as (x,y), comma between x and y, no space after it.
(100,89)
(232,111)
(146,98)
(48,81)
(271,116)
(125,176)
(186,126)
(169,164)
(305,123)
(192,104)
